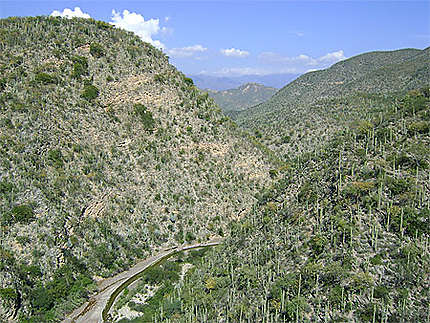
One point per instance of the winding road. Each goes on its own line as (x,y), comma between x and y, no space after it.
(91,311)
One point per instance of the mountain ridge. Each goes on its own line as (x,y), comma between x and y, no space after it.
(241,98)
(392,71)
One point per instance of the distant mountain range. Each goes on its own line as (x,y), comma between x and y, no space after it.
(225,83)
(243,97)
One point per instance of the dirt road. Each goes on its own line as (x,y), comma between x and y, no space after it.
(91,311)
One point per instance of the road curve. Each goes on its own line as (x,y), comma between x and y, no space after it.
(91,311)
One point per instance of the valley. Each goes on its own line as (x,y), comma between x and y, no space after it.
(117,173)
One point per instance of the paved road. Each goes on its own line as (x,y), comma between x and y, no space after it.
(91,311)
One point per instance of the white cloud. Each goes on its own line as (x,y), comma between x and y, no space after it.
(186,51)
(136,23)
(301,62)
(333,57)
(297,33)
(69,13)
(274,63)
(239,71)
(233,52)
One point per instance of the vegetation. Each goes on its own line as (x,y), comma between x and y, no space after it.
(145,116)
(342,236)
(162,280)
(98,169)
(312,108)
(109,154)
(242,98)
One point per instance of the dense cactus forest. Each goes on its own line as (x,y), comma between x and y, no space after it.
(343,234)
(107,154)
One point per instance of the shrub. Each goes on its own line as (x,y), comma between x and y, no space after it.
(145,116)
(159,78)
(188,81)
(97,50)
(154,275)
(90,92)
(80,66)
(6,187)
(103,25)
(56,158)
(44,78)
(8,295)
(419,127)
(189,236)
(2,84)
(22,213)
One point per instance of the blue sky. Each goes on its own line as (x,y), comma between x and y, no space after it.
(228,38)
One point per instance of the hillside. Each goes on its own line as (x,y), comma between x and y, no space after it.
(302,114)
(343,236)
(221,83)
(242,98)
(108,154)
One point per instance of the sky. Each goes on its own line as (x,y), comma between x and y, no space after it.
(233,38)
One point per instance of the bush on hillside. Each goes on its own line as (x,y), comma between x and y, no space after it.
(90,92)
(44,78)
(96,50)
(145,116)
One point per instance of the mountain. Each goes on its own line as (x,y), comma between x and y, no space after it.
(301,109)
(341,237)
(243,97)
(108,154)
(219,83)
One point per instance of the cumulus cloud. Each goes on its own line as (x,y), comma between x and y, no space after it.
(136,23)
(333,57)
(186,51)
(69,13)
(301,62)
(274,63)
(233,52)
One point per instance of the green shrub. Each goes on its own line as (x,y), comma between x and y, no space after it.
(96,50)
(103,25)
(80,66)
(2,84)
(189,236)
(145,116)
(154,275)
(22,213)
(419,127)
(188,81)
(8,295)
(45,78)
(56,158)
(90,92)
(6,187)
(159,78)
